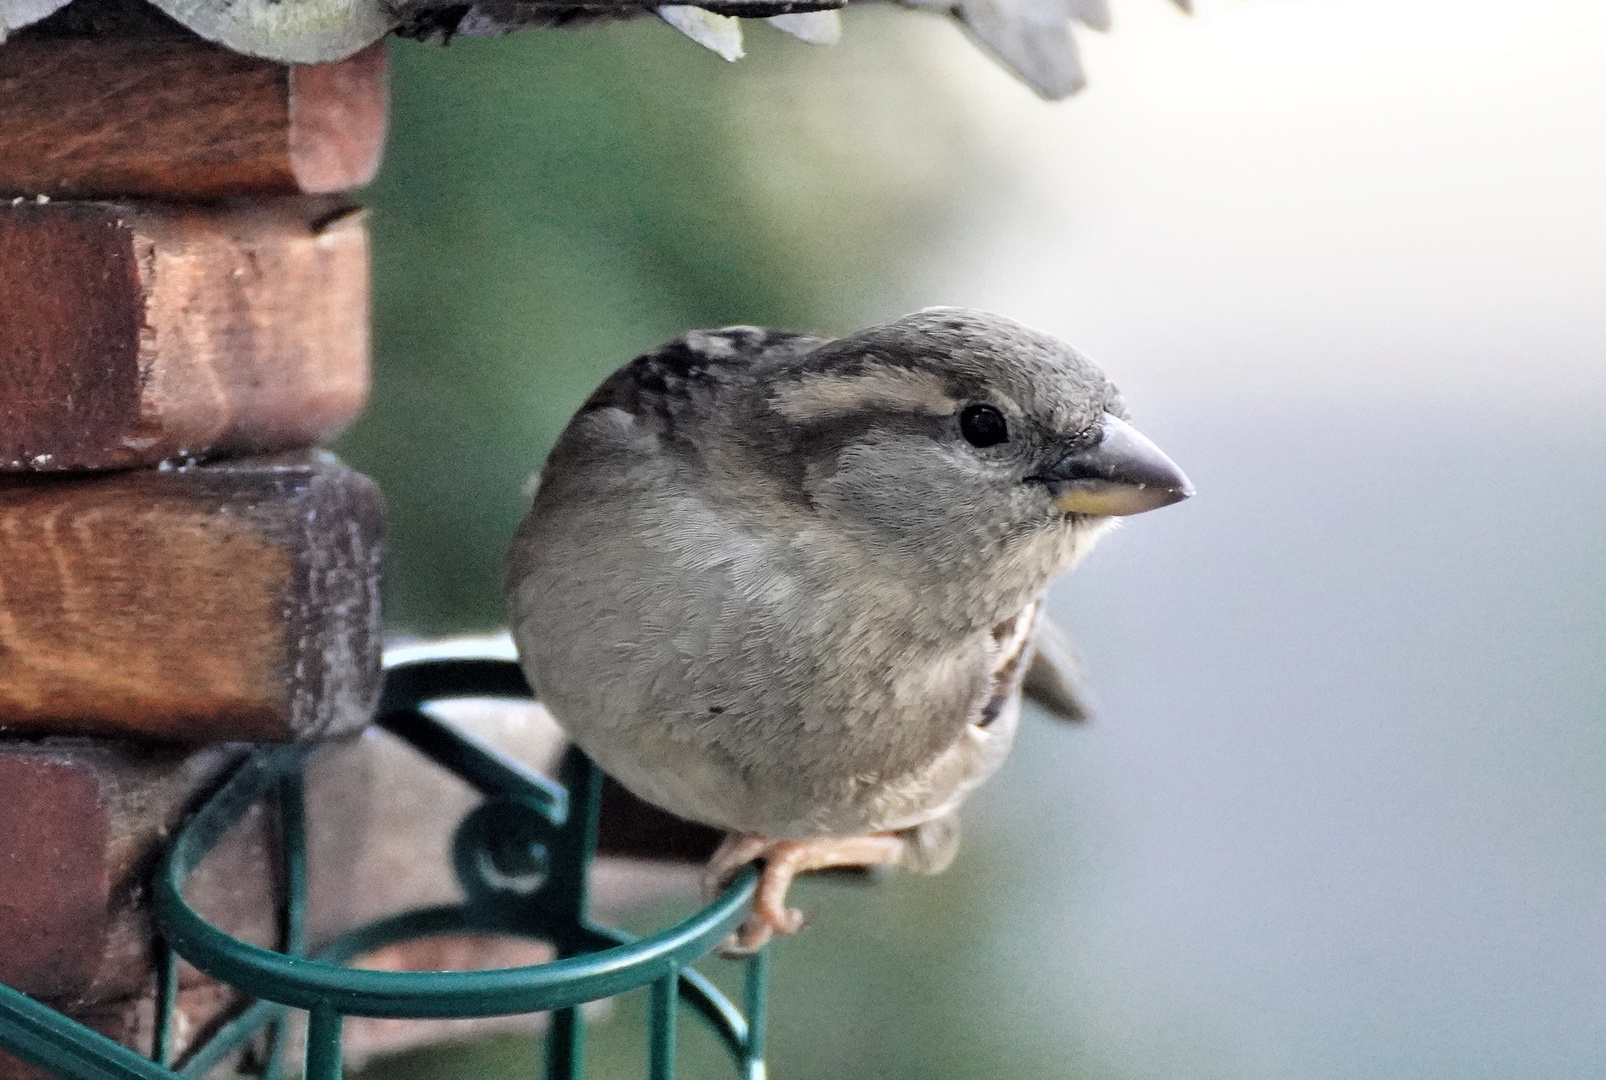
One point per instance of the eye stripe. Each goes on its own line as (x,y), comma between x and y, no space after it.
(876,386)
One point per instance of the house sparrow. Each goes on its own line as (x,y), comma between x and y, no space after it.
(791,587)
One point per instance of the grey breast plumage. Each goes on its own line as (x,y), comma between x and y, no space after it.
(687,619)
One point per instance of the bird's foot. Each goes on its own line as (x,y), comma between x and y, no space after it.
(784,860)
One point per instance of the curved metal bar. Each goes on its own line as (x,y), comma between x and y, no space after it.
(463,667)
(312,984)
(433,673)
(596,962)
(710,1005)
(482,767)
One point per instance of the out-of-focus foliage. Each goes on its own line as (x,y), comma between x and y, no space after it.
(554,203)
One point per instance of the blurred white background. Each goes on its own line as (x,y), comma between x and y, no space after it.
(1343,813)
(1314,200)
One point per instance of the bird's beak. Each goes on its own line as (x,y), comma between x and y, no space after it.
(1123,473)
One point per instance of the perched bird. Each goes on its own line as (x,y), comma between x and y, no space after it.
(791,587)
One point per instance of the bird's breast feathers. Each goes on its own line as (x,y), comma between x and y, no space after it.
(706,668)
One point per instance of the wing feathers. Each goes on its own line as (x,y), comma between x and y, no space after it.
(1054,680)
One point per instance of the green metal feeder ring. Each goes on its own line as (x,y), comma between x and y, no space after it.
(312,984)
(522,859)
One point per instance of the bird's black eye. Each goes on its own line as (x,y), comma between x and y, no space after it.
(983,425)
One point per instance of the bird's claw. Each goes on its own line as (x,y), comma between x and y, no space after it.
(784,860)
(761,924)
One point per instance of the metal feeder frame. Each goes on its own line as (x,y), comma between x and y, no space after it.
(521,856)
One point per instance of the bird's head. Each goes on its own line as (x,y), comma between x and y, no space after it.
(961,442)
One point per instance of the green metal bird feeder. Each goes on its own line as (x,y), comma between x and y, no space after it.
(521,857)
